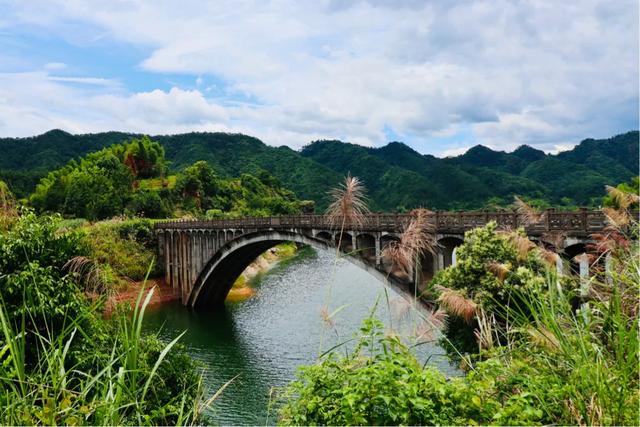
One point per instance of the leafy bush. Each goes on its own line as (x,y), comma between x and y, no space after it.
(474,278)
(128,246)
(559,366)
(492,270)
(61,363)
(33,238)
(382,383)
(148,203)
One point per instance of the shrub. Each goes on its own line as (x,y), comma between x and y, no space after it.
(560,366)
(492,270)
(126,245)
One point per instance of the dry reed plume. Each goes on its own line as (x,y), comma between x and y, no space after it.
(548,257)
(416,240)
(498,269)
(555,238)
(622,199)
(528,214)
(457,304)
(89,273)
(326,317)
(8,210)
(349,204)
(617,218)
(520,243)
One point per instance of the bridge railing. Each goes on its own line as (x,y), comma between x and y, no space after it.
(581,221)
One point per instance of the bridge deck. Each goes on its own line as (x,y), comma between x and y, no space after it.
(581,222)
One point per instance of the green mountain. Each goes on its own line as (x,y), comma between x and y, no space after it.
(397,176)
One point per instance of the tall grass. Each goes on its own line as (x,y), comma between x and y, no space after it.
(58,390)
(583,364)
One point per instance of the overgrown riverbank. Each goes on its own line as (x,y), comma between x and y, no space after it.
(62,363)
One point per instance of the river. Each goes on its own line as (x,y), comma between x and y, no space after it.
(264,339)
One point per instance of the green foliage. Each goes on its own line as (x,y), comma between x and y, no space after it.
(559,366)
(474,277)
(129,179)
(60,362)
(148,203)
(396,175)
(101,184)
(128,246)
(382,383)
(199,189)
(471,275)
(35,239)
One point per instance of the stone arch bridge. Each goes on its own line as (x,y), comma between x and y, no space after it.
(202,259)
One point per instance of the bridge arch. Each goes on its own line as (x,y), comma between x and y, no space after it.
(324,235)
(366,244)
(220,272)
(448,245)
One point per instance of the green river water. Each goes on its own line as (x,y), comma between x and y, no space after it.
(264,339)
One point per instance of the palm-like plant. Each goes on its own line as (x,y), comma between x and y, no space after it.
(349,206)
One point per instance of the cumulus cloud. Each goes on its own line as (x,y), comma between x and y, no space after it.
(35,102)
(544,73)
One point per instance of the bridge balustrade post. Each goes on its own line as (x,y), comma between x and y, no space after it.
(608,274)
(559,265)
(583,219)
(583,259)
(440,257)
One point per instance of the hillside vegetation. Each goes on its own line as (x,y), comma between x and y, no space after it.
(131,179)
(398,177)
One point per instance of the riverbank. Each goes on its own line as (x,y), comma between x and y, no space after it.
(162,294)
(242,289)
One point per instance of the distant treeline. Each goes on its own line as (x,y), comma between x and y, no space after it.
(398,178)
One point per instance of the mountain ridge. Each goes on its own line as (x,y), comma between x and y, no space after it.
(398,177)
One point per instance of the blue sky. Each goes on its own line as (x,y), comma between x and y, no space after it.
(439,76)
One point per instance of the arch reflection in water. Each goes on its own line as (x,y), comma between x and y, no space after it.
(265,338)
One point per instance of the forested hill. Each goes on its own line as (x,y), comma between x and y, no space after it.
(397,176)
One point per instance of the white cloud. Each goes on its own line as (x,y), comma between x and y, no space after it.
(54,66)
(34,103)
(543,73)
(82,80)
